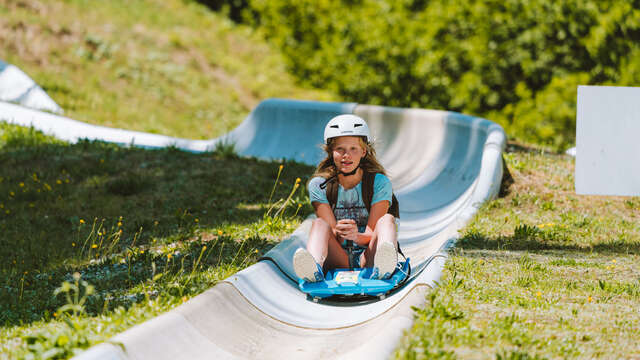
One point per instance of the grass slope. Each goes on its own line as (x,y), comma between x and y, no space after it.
(163,66)
(539,273)
(147,229)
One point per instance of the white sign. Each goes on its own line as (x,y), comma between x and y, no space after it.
(608,141)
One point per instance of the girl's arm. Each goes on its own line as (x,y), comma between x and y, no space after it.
(324,212)
(377,211)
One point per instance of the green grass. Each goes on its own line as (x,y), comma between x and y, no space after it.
(538,273)
(164,66)
(147,228)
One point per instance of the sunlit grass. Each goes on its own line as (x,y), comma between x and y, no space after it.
(162,66)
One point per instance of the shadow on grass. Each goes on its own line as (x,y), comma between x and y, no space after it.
(52,193)
(527,238)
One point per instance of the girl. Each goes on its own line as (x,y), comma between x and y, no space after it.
(346,221)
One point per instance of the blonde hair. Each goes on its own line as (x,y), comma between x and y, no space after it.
(369,163)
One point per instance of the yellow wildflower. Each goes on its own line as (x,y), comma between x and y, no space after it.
(196,220)
(204,248)
(589,299)
(21,184)
(281,167)
(119,224)
(47,186)
(613,261)
(81,221)
(66,181)
(73,244)
(538,294)
(184,299)
(59,182)
(169,256)
(298,180)
(219,232)
(94,246)
(11,193)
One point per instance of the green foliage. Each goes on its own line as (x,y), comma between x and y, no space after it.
(226,149)
(59,342)
(517,62)
(69,338)
(129,183)
(517,355)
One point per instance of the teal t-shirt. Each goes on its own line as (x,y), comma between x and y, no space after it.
(350,204)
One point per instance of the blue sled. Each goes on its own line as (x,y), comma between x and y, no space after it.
(345,282)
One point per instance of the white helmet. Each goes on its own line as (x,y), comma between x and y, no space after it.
(346,125)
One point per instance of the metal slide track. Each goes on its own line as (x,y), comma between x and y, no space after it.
(443,166)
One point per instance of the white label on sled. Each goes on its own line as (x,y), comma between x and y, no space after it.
(347,277)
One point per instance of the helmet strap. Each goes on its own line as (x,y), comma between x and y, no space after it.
(351,172)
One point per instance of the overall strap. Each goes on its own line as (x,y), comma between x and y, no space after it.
(332,192)
(367,195)
(367,189)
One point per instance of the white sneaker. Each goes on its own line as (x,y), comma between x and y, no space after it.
(306,267)
(385,261)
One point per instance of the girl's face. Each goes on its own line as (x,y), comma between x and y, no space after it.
(347,153)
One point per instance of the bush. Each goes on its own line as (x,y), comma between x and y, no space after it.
(515,61)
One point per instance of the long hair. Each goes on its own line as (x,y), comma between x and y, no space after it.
(369,163)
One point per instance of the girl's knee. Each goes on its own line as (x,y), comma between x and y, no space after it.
(386,220)
(319,222)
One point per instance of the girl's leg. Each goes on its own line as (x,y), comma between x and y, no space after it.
(324,247)
(385,232)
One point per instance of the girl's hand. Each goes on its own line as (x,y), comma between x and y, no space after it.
(347,229)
